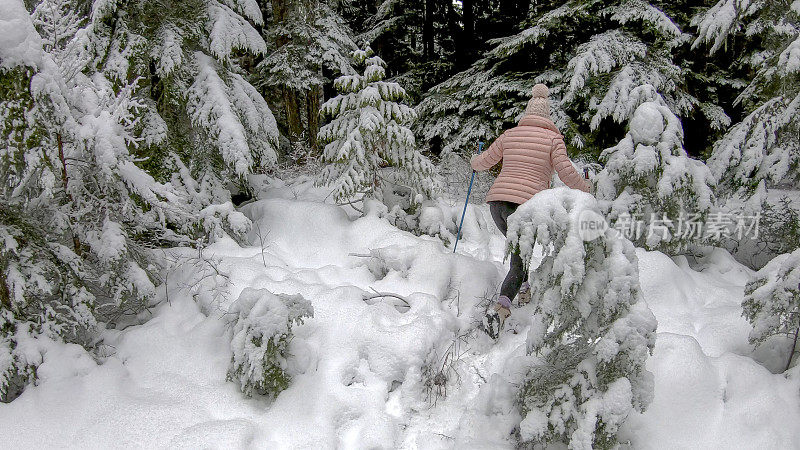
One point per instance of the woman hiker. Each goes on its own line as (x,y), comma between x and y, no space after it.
(530,152)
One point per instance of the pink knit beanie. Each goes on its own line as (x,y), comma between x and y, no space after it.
(539,105)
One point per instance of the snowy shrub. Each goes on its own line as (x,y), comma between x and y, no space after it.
(437,217)
(772,301)
(591,333)
(457,173)
(650,188)
(42,292)
(262,329)
(369,131)
(779,227)
(769,227)
(16,371)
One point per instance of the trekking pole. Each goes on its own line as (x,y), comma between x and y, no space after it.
(469,191)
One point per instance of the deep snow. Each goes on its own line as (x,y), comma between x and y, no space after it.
(359,380)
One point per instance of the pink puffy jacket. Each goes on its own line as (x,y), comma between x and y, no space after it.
(530,152)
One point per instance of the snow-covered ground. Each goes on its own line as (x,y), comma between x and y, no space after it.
(360,368)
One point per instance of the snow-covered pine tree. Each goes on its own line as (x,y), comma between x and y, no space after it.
(589,330)
(764,146)
(601,60)
(772,302)
(368,132)
(473,105)
(24,259)
(79,216)
(308,40)
(388,17)
(650,189)
(199,111)
(415,38)
(41,278)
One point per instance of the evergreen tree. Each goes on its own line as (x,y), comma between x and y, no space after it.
(650,188)
(472,106)
(772,302)
(309,41)
(199,110)
(395,30)
(763,147)
(601,60)
(368,132)
(80,216)
(77,213)
(423,41)
(589,330)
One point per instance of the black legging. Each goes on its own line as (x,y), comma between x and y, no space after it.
(516,275)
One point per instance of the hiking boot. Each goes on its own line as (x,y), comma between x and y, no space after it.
(524,296)
(496,317)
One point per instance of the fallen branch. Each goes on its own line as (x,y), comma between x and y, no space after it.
(360,255)
(387,294)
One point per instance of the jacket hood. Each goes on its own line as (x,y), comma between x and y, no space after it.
(538,121)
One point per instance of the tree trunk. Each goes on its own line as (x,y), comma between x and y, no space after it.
(76,243)
(427,30)
(454,28)
(312,109)
(292,114)
(466,43)
(5,293)
(280,10)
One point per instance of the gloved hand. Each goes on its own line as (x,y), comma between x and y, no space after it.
(472,160)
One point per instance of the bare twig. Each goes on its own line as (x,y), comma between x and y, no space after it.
(387,294)
(475,369)
(793,349)
(166,286)
(351,202)
(206,277)
(440,371)
(261,239)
